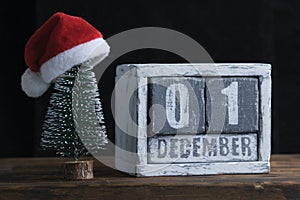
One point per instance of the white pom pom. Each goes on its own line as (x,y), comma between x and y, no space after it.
(33,84)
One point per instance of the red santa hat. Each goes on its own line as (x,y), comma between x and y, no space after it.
(62,42)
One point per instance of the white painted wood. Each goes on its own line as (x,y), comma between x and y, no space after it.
(203,168)
(265,119)
(142,104)
(136,162)
(203,69)
(125,130)
(202,148)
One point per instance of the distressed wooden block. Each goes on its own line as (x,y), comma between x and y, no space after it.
(238,98)
(202,148)
(179,103)
(154,136)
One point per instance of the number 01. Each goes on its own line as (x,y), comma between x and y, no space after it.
(180,93)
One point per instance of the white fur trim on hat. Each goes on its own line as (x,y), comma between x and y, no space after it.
(64,61)
(33,84)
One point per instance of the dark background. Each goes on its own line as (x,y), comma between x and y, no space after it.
(231,31)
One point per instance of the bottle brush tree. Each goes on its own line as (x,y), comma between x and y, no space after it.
(74,123)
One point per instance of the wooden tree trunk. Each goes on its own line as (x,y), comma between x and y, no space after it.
(78,170)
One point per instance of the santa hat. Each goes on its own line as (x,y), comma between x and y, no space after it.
(62,42)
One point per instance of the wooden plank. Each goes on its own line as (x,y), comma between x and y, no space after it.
(142,103)
(40,178)
(202,148)
(209,168)
(265,117)
(126,130)
(203,69)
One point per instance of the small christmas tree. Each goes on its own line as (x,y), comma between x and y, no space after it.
(61,50)
(74,123)
(87,110)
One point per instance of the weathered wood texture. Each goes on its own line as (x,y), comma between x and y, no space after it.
(190,99)
(77,170)
(40,178)
(202,148)
(241,106)
(170,91)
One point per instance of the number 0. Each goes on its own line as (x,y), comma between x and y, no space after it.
(183,95)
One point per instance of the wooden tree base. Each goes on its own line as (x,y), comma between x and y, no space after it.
(78,170)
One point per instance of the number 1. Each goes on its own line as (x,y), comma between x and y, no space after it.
(232,102)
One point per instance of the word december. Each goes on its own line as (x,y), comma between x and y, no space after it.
(192,147)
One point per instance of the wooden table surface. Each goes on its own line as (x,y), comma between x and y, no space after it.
(40,178)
